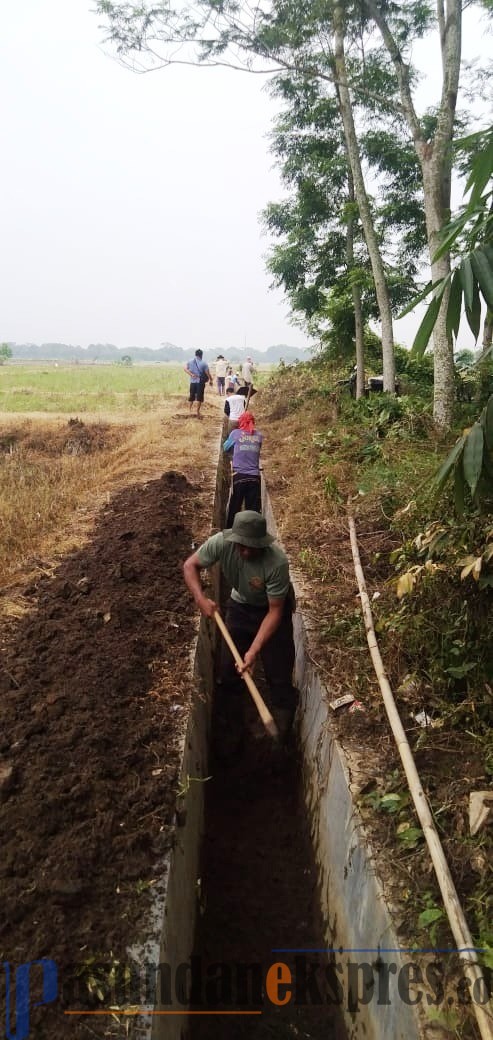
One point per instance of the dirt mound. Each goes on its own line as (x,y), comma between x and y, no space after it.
(84,440)
(71,438)
(93,695)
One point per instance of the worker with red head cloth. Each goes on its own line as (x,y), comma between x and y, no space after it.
(246,443)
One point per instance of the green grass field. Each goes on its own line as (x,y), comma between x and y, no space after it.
(91,388)
(33,387)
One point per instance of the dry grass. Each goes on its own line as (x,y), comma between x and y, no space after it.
(312,468)
(54,474)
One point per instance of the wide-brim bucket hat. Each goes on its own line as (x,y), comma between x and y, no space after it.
(250,529)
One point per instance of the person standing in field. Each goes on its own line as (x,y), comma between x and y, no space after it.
(199,373)
(248,372)
(246,443)
(220,375)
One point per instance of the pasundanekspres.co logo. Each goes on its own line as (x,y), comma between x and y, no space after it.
(18,1003)
(250,988)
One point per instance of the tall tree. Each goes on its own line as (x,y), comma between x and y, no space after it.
(353,152)
(317,224)
(470,236)
(288,36)
(321,259)
(312,40)
(399,24)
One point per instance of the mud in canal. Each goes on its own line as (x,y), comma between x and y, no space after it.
(259,901)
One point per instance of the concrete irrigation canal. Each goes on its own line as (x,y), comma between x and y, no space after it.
(271,908)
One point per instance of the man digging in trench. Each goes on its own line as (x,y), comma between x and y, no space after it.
(259,619)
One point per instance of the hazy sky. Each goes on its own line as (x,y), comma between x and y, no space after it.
(129,204)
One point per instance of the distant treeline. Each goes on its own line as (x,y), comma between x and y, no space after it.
(166,352)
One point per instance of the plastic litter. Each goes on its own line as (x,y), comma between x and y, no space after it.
(480,806)
(423,719)
(426,722)
(340,702)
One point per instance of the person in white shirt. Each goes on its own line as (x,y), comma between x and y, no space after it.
(234,406)
(220,368)
(248,371)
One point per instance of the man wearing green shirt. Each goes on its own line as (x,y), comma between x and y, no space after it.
(258,616)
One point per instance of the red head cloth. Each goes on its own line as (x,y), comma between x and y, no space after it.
(246,422)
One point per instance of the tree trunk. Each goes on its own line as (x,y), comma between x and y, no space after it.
(378,271)
(487,332)
(485,365)
(437,176)
(436,164)
(359,337)
(436,212)
(360,342)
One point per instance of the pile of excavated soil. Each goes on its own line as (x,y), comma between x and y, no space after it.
(94,693)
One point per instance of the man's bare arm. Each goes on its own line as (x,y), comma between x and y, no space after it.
(269,625)
(191,573)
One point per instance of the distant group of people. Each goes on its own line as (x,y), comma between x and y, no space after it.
(243,441)
(226,379)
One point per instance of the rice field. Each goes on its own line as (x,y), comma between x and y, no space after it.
(88,388)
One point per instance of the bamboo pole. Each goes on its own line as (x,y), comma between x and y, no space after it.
(260,704)
(458,923)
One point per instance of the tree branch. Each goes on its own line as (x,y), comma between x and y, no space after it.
(402,73)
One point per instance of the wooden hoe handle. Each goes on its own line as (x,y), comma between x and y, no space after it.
(261,706)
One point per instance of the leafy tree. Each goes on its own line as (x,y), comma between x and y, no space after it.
(315,224)
(470,463)
(319,42)
(339,15)
(400,25)
(306,41)
(321,260)
(464,359)
(5,353)
(470,235)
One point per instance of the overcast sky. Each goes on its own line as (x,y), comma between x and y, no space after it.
(129,204)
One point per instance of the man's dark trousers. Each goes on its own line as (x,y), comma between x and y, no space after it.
(247,490)
(277,655)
